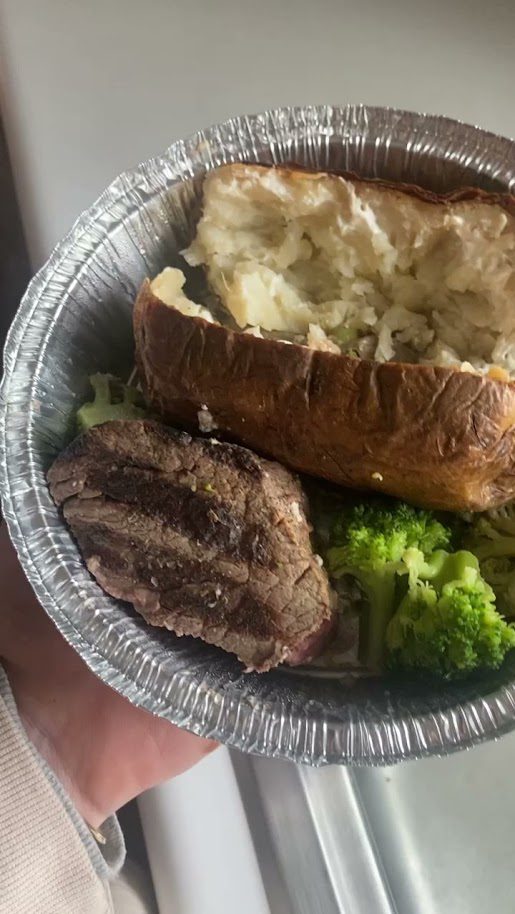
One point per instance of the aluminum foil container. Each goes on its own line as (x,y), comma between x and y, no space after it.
(76,319)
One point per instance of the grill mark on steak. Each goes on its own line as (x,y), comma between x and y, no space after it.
(166,569)
(196,514)
(233,566)
(216,599)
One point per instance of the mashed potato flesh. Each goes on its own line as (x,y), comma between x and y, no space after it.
(167,286)
(348,266)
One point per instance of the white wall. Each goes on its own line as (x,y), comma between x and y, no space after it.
(90,88)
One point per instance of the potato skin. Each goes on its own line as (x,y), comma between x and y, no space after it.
(437,437)
(398,188)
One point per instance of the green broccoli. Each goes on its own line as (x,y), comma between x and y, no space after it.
(449,625)
(344,335)
(371,541)
(491,537)
(112,400)
(428,609)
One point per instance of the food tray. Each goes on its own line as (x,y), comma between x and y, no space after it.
(75,319)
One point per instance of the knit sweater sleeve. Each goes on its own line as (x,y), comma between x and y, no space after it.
(49,860)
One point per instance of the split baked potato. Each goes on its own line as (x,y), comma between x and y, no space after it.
(368,334)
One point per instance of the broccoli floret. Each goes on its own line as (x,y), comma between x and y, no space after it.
(370,543)
(428,609)
(112,400)
(419,566)
(449,625)
(491,536)
(379,531)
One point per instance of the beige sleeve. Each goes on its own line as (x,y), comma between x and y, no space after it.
(49,861)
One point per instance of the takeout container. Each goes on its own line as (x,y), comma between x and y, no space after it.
(75,318)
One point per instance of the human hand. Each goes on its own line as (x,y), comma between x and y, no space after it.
(104,750)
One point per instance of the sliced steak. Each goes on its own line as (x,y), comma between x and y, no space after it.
(206,539)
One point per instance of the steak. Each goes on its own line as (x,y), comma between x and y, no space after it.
(204,538)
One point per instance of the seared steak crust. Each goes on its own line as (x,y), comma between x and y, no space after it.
(206,539)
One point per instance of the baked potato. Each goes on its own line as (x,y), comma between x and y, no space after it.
(368,336)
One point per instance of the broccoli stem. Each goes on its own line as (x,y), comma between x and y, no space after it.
(104,407)
(380,592)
